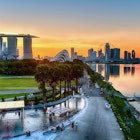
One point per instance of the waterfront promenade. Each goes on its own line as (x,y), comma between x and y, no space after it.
(95,122)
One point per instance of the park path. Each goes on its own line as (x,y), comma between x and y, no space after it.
(96,123)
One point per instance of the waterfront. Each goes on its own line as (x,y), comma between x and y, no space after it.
(13,123)
(123,77)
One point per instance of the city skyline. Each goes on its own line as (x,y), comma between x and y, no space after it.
(77,24)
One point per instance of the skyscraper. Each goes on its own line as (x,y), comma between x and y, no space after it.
(107,52)
(11,50)
(12,46)
(125,55)
(129,56)
(91,55)
(115,54)
(133,54)
(0,46)
(72,54)
(27,47)
(90,52)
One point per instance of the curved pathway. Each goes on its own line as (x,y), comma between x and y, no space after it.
(96,123)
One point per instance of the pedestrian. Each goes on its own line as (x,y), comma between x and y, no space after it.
(72,125)
(76,126)
(62,127)
(67,114)
(19,113)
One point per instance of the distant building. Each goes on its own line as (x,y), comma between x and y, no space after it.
(111,54)
(75,55)
(133,54)
(129,56)
(125,55)
(100,54)
(1,46)
(12,46)
(107,52)
(91,55)
(115,54)
(61,56)
(27,47)
(11,50)
(90,52)
(72,54)
(80,57)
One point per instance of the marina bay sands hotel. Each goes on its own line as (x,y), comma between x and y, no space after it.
(11,51)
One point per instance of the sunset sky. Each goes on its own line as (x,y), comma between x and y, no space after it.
(82,24)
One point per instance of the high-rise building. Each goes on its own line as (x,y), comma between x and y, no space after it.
(91,55)
(125,55)
(133,54)
(27,47)
(0,46)
(111,54)
(12,46)
(11,51)
(75,55)
(90,52)
(115,54)
(129,56)
(100,54)
(107,52)
(72,54)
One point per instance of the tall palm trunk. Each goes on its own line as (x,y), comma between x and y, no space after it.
(68,84)
(54,93)
(65,87)
(60,89)
(76,84)
(43,91)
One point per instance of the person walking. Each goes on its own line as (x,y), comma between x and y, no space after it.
(76,126)
(72,125)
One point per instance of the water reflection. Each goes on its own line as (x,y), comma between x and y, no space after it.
(115,70)
(126,70)
(12,124)
(100,68)
(124,77)
(129,69)
(133,70)
(107,72)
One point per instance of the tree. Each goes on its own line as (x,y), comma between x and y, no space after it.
(61,77)
(54,77)
(77,72)
(42,76)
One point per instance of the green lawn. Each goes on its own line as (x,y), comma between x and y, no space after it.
(12,95)
(17,83)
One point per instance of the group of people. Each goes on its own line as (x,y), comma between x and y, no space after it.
(28,133)
(60,127)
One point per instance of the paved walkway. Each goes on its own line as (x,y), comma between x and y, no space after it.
(96,123)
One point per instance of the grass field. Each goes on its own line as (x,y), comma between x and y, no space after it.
(17,83)
(12,95)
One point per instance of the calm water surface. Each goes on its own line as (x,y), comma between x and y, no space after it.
(124,78)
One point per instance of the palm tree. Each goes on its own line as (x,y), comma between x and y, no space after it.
(42,76)
(61,77)
(77,72)
(54,77)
